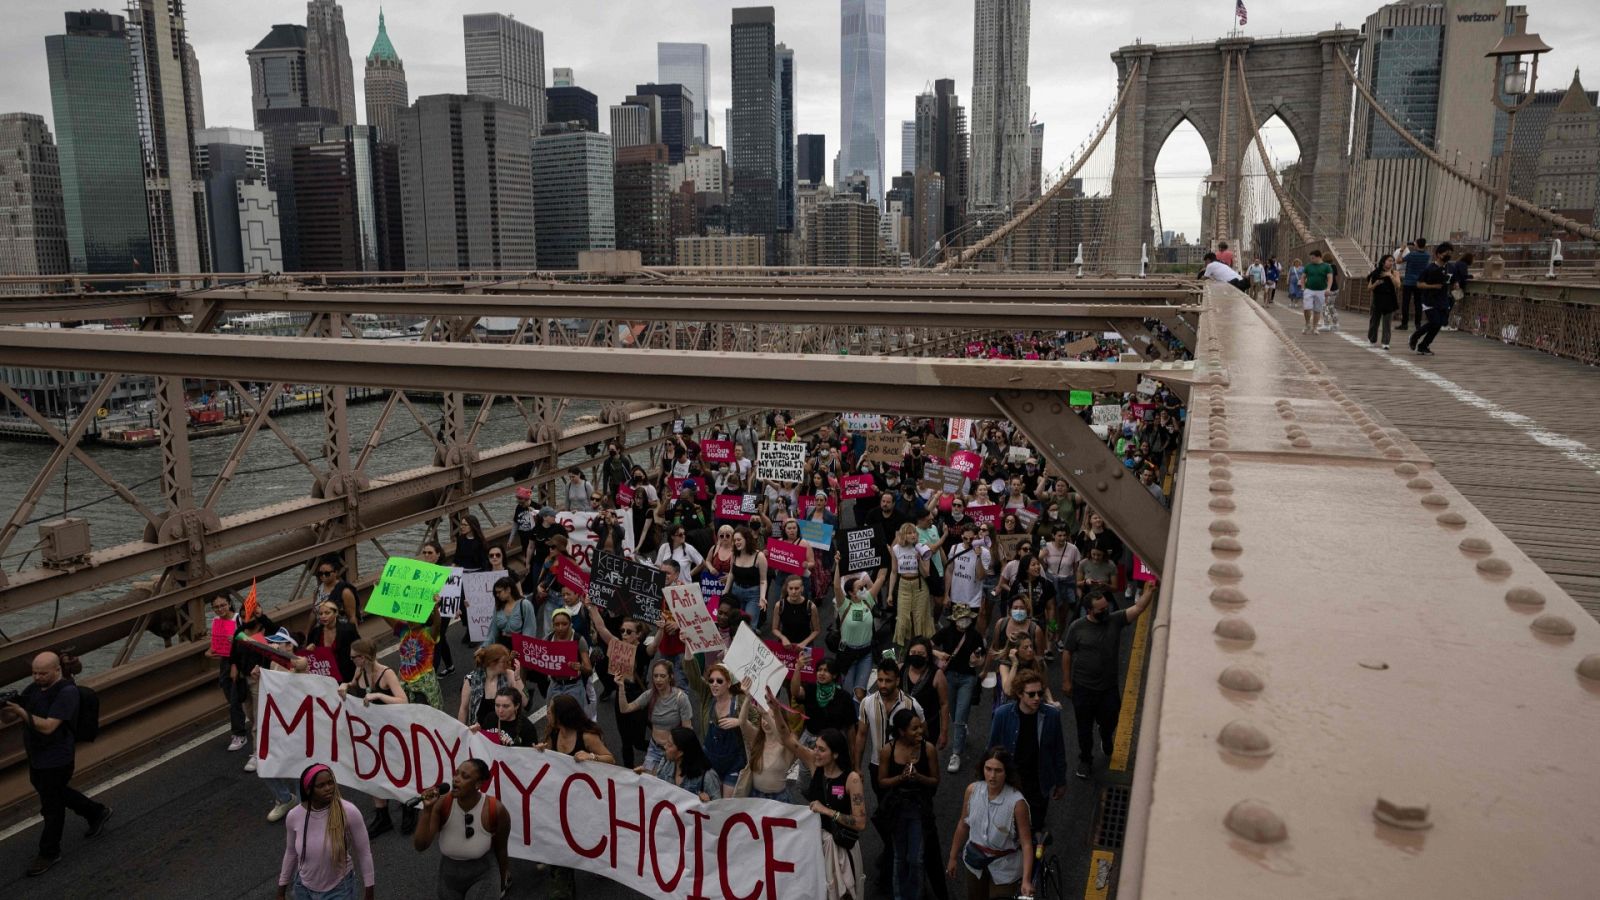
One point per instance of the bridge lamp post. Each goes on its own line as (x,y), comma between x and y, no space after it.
(1516,60)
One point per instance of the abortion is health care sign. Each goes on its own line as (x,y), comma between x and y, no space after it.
(637,830)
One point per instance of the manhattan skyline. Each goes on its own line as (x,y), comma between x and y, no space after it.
(611,47)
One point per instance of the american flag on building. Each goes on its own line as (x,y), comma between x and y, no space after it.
(1240,11)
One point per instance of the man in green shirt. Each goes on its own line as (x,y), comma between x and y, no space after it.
(1318,281)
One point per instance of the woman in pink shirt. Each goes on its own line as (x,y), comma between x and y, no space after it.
(321,850)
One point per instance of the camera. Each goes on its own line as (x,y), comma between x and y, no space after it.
(10,697)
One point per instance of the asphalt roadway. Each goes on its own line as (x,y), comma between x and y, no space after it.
(191,823)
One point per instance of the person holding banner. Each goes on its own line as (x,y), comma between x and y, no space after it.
(908,587)
(683,764)
(370,684)
(512,728)
(768,770)
(632,722)
(580,689)
(465,845)
(416,650)
(835,793)
(321,852)
(444,662)
(335,635)
(513,614)
(665,706)
(496,668)
(232,675)
(724,710)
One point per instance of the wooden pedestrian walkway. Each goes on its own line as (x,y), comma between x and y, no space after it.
(1515,430)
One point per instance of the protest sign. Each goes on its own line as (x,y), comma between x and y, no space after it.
(1028,516)
(731,506)
(936,477)
(640,831)
(1007,545)
(786,557)
(749,504)
(1107,414)
(580,536)
(817,534)
(558,658)
(1017,455)
(675,487)
(960,431)
(1111,335)
(716,451)
(807,501)
(677,426)
(808,662)
(886,446)
(321,661)
(625,495)
(781,461)
(449,598)
(1141,572)
(623,587)
(620,655)
(986,514)
(1147,387)
(754,666)
(974,348)
(477,594)
(936,448)
(406,589)
(1080,398)
(863,422)
(861,551)
(695,625)
(966,462)
(222,632)
(1142,411)
(1080,347)
(569,576)
(710,587)
(856,486)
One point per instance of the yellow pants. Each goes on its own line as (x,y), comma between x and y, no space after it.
(913,615)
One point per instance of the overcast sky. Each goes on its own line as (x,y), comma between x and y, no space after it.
(611,46)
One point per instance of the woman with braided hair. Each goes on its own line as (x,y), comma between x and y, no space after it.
(321,850)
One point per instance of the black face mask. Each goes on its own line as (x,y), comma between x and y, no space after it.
(917,661)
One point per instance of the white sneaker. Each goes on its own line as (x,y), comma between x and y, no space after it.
(955,763)
(237,743)
(279,811)
(250,764)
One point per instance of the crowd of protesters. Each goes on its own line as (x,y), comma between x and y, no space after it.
(1015,619)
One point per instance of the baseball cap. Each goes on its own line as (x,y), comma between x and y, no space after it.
(524,493)
(547,510)
(282,636)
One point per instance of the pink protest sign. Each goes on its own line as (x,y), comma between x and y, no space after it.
(1141,572)
(624,495)
(558,658)
(786,557)
(1031,354)
(988,514)
(716,451)
(807,501)
(967,463)
(856,486)
(731,506)
(571,576)
(787,656)
(975,348)
(321,661)
(222,631)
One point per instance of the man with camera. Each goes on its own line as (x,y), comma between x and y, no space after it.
(48,708)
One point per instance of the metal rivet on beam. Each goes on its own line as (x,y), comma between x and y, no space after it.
(1435,500)
(1409,814)
(1234,628)
(1420,484)
(1524,596)
(1245,739)
(1405,469)
(1553,625)
(1253,821)
(1238,678)
(1451,520)
(1229,596)
(1494,566)
(1226,570)
(1475,545)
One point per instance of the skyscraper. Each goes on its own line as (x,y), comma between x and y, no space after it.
(861,73)
(572,104)
(999,103)
(102,176)
(561,77)
(636,121)
(573,193)
(811,152)
(505,61)
(226,159)
(1568,174)
(754,126)
(1035,160)
(349,202)
(908,146)
(690,66)
(281,101)
(643,200)
(33,215)
(386,89)
(464,184)
(784,61)
(330,81)
(165,100)
(678,115)
(942,149)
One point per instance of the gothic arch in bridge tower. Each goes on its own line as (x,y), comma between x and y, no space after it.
(1298,78)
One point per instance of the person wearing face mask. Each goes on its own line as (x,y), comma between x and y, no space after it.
(958,649)
(1089,668)
(854,610)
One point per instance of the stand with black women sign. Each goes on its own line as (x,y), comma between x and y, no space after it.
(861,551)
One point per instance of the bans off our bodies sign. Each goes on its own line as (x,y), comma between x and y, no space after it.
(647,834)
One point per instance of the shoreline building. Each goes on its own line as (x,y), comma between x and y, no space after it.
(386,91)
(330,80)
(690,66)
(33,212)
(286,119)
(573,177)
(505,61)
(167,102)
(861,91)
(755,127)
(1000,104)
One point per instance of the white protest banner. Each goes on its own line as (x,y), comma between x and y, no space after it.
(863,421)
(580,536)
(1108,414)
(960,432)
(695,625)
(1147,388)
(1017,455)
(781,461)
(754,666)
(637,830)
(450,596)
(477,594)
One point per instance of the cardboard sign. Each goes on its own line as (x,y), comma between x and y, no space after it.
(558,658)
(731,506)
(781,461)
(569,576)
(716,451)
(1106,414)
(808,662)
(562,812)
(449,599)
(477,594)
(623,587)
(857,486)
(987,514)
(1080,347)
(817,534)
(863,422)
(1080,398)
(960,431)
(620,655)
(861,551)
(966,462)
(625,495)
(807,501)
(786,557)
(222,632)
(937,448)
(1007,545)
(675,487)
(754,666)
(406,589)
(886,446)
(936,477)
(1141,572)
(695,625)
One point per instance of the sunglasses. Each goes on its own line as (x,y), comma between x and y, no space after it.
(324,573)
(468,821)
(496,555)
(716,681)
(628,631)
(1024,693)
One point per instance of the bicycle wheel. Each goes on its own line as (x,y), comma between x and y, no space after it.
(1047,886)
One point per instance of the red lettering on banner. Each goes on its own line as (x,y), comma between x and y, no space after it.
(566,820)
(302,713)
(450,750)
(617,823)
(418,734)
(361,740)
(523,791)
(774,866)
(400,739)
(655,848)
(332,713)
(722,855)
(699,855)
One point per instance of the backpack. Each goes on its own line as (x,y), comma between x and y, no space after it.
(86,725)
